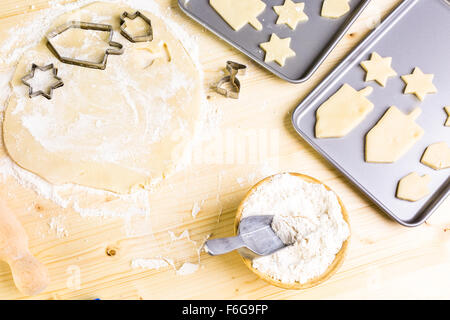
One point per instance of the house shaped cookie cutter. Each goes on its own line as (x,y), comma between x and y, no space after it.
(118,47)
(123,26)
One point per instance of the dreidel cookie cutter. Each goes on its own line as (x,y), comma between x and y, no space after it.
(123,25)
(59,83)
(233,69)
(118,47)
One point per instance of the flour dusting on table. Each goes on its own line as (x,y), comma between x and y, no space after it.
(151,264)
(187,268)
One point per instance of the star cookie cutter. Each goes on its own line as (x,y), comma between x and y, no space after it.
(30,75)
(123,26)
(233,69)
(118,47)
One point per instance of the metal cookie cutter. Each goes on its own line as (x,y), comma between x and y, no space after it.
(123,26)
(30,75)
(85,26)
(233,69)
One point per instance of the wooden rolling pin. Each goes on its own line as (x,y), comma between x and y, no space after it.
(30,276)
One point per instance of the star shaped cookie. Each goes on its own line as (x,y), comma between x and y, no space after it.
(378,69)
(419,83)
(291,13)
(277,49)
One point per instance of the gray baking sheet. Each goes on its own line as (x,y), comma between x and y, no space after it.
(415,34)
(312,40)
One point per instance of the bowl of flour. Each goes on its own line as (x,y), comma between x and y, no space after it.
(310,218)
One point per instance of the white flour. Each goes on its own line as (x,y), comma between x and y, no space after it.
(196,208)
(57,225)
(308,217)
(187,268)
(161,263)
(151,264)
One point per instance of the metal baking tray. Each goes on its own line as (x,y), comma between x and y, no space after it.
(415,34)
(312,40)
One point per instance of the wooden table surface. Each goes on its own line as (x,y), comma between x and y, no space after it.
(91,257)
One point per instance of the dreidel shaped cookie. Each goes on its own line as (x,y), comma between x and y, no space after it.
(393,135)
(335,8)
(342,112)
(237,13)
(413,187)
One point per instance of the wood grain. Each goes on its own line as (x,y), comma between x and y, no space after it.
(384,260)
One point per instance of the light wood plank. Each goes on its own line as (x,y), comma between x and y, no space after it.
(385,260)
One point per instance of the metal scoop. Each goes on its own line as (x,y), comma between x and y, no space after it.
(255,233)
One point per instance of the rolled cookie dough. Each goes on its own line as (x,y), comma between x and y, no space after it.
(119,129)
(413,187)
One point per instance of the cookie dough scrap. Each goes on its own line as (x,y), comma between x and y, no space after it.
(437,156)
(447,110)
(277,49)
(413,187)
(335,8)
(237,13)
(291,13)
(342,112)
(120,129)
(393,135)
(419,83)
(378,69)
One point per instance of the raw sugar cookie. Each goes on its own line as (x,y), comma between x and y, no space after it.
(437,156)
(335,8)
(419,83)
(277,49)
(342,112)
(291,13)
(237,13)
(378,69)
(393,135)
(413,187)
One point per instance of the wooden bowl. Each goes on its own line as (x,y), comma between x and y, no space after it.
(337,262)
